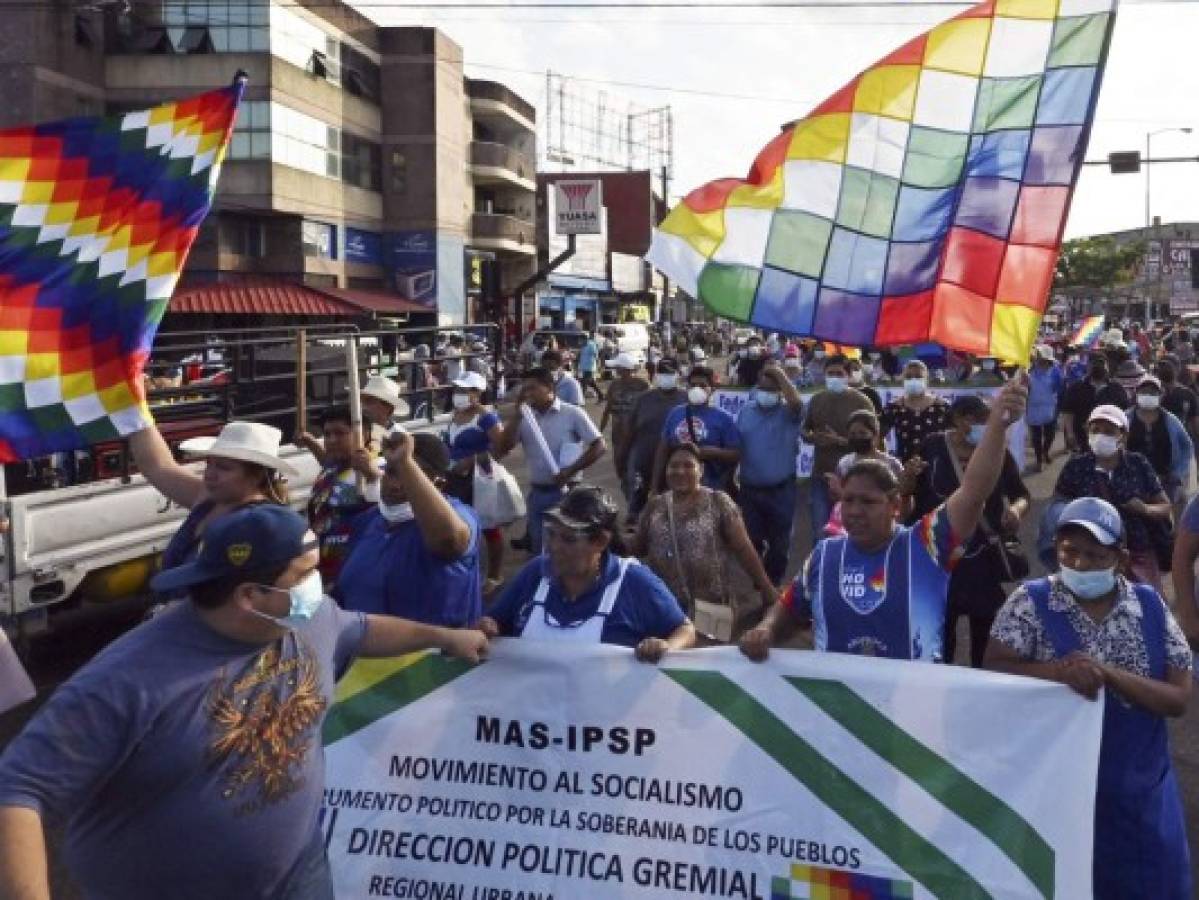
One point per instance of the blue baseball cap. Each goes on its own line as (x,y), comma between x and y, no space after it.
(1097,516)
(245,540)
(470,442)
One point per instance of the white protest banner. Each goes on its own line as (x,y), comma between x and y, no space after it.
(733,400)
(577,772)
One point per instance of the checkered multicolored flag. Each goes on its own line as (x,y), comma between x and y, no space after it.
(924,201)
(97,216)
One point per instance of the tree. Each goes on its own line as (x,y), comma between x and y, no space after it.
(1097,262)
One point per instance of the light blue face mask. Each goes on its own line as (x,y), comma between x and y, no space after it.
(836,383)
(306,598)
(975,435)
(1088,586)
(766,399)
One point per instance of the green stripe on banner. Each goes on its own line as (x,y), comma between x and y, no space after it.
(408,685)
(944,781)
(835,789)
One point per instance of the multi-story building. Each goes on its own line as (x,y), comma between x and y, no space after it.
(364,164)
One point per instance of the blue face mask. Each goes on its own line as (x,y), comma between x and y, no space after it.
(767,399)
(836,384)
(306,598)
(975,435)
(1088,586)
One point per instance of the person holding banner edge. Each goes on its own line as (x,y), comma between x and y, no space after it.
(195,738)
(1092,629)
(881,589)
(585,590)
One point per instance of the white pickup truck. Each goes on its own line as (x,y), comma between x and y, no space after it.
(93,543)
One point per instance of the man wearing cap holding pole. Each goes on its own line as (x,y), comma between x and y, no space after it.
(1092,629)
(622,397)
(185,760)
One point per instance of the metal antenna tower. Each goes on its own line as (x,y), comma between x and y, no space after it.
(589,129)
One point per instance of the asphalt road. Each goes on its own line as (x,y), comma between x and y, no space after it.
(56,658)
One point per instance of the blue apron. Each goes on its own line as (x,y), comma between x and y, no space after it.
(1140,834)
(878,628)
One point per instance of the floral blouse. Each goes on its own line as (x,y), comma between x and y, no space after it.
(912,427)
(1118,640)
(700,570)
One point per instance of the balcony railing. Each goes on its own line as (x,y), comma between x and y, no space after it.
(493,90)
(501,156)
(498,226)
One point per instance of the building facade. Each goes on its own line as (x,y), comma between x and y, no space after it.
(361,160)
(607,279)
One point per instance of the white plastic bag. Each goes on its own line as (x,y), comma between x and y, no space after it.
(497,497)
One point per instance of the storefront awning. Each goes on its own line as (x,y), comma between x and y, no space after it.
(259,298)
(375,301)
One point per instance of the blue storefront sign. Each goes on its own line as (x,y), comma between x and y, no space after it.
(414,265)
(364,246)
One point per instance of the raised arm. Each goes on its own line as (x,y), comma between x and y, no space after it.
(443,531)
(155,461)
(965,505)
(23,868)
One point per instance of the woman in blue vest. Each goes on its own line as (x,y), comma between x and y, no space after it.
(1092,629)
(585,591)
(881,588)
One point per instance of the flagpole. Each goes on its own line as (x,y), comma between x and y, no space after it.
(353,387)
(301,381)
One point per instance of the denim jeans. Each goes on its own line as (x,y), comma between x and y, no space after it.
(769,513)
(540,501)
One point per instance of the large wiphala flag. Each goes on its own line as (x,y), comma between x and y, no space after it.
(97,216)
(924,201)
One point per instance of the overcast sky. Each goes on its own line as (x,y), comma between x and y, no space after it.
(791,59)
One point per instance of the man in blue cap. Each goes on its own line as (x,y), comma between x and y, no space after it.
(1092,629)
(185,760)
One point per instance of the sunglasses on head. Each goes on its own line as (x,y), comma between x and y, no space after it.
(564,535)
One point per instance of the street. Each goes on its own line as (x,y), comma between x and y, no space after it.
(56,658)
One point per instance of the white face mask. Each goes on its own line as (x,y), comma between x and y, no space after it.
(667,381)
(1104,445)
(396,513)
(461,401)
(914,387)
(855,378)
(1148,401)
(767,399)
(697,396)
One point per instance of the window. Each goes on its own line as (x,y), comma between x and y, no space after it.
(232,26)
(84,36)
(361,162)
(252,133)
(245,237)
(319,239)
(196,39)
(360,74)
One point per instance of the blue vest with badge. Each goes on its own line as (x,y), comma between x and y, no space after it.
(1140,834)
(868,614)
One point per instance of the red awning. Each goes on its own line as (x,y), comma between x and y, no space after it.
(260,298)
(375,301)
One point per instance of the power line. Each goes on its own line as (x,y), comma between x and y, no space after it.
(688,5)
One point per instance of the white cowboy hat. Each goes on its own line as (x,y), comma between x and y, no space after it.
(470,381)
(386,391)
(244,441)
(623,361)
